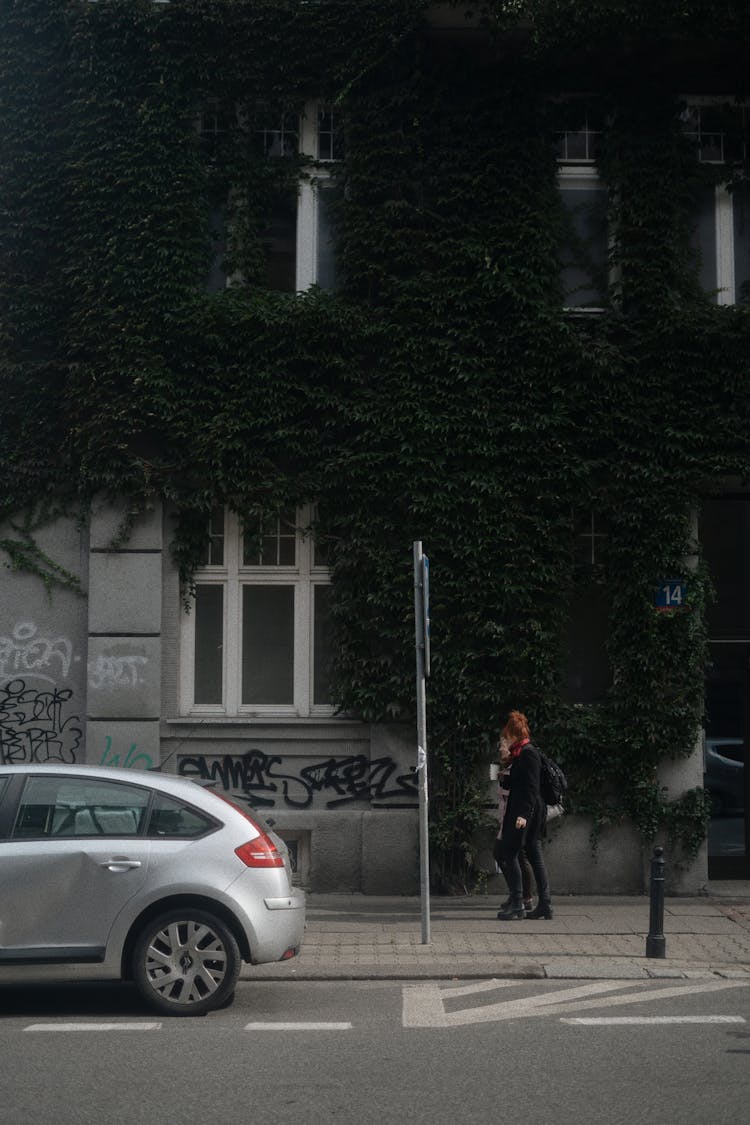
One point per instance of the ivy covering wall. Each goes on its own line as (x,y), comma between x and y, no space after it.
(441,395)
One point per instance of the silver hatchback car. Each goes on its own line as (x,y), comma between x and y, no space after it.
(110,874)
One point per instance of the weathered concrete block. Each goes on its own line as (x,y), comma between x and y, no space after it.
(124,593)
(390,852)
(107,520)
(124,677)
(124,745)
(336,853)
(614,867)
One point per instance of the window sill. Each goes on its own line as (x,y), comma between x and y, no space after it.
(203,718)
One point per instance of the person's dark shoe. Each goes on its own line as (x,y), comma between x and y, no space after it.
(513,911)
(527,904)
(543,910)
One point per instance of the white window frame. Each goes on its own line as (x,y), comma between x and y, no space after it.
(308,193)
(233,576)
(726,285)
(309,197)
(562,135)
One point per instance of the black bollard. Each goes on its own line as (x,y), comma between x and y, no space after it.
(656,945)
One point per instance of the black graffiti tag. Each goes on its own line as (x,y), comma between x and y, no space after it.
(261,779)
(34,725)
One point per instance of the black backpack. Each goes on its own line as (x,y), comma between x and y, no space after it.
(552,781)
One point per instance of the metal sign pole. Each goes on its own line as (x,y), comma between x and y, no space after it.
(421,633)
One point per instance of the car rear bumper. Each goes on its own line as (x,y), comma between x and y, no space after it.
(279,927)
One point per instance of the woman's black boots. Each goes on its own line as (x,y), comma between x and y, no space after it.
(543,910)
(527,904)
(512,911)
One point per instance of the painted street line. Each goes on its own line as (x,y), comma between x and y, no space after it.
(93,1027)
(424,1005)
(601,1021)
(298,1027)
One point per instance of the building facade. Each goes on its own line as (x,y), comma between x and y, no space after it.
(474,292)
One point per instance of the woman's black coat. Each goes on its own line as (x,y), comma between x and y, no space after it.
(524,798)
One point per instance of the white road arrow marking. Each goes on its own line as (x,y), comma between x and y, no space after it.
(424,1004)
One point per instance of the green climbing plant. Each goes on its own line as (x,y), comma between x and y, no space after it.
(441,393)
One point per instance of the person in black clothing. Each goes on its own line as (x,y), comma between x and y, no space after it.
(523,823)
(503,783)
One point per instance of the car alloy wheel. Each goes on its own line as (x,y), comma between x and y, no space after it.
(186,963)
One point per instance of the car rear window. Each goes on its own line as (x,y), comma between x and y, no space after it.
(64,806)
(170,817)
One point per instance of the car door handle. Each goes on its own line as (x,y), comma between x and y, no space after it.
(120,863)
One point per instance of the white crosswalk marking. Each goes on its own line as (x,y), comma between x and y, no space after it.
(93,1027)
(603,1021)
(298,1027)
(424,1005)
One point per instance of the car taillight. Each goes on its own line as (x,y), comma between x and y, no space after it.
(260,852)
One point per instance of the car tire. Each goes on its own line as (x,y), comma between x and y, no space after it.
(186,963)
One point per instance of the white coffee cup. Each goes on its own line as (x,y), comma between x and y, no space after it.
(494,771)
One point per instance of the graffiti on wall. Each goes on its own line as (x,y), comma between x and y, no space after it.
(133,759)
(116,671)
(36,719)
(265,782)
(25,653)
(37,726)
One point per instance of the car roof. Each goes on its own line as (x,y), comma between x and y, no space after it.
(166,782)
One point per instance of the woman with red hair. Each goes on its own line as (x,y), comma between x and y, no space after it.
(523,822)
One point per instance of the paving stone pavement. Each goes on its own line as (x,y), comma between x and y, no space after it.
(362,937)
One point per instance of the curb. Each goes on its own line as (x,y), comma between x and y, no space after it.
(564,969)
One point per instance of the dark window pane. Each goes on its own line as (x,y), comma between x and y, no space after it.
(725,536)
(724,777)
(590,540)
(741,209)
(329,197)
(214,552)
(322,644)
(268,644)
(209,644)
(170,817)
(277,543)
(59,806)
(578,129)
(704,238)
(577,146)
(584,252)
(281,245)
(330,145)
(217,274)
(321,552)
(588,673)
(278,138)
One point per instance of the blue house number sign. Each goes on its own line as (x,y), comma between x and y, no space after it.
(671,594)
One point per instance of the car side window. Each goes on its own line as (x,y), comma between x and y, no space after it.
(64,806)
(170,817)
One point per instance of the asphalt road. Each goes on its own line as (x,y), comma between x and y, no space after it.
(372,1053)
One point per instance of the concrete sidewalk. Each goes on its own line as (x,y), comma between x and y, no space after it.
(358,937)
